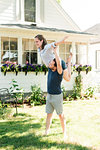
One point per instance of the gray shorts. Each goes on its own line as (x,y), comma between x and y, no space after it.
(54,102)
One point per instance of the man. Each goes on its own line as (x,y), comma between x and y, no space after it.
(55,96)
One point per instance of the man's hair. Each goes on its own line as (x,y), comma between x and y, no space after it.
(55,64)
(40,37)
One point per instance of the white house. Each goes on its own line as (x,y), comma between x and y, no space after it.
(94,52)
(20,21)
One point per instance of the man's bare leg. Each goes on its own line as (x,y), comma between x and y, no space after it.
(63,125)
(48,123)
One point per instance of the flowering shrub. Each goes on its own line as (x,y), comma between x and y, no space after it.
(35,68)
(80,68)
(13,67)
(10,67)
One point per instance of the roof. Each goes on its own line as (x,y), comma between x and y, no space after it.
(94,29)
(33,26)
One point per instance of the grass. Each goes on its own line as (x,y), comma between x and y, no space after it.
(25,131)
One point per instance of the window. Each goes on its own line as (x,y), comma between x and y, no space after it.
(29,10)
(9,49)
(29,51)
(81,54)
(64,50)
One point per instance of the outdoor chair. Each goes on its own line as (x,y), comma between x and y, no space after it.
(6,97)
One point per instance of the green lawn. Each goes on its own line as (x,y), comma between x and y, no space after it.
(25,131)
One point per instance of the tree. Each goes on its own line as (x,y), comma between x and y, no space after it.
(58,1)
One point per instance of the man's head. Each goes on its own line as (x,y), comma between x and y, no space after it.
(53,65)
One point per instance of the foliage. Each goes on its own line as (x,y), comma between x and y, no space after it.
(4,112)
(63,91)
(34,68)
(44,68)
(16,91)
(30,67)
(59,1)
(37,97)
(77,87)
(79,68)
(89,92)
(13,67)
(10,67)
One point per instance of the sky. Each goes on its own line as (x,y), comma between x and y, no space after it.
(85,13)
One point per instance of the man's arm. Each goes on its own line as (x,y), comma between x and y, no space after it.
(61,41)
(58,60)
(67,72)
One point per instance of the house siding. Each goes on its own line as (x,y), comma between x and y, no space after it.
(92,79)
(93,48)
(30,79)
(7,11)
(51,16)
(54,17)
(48,14)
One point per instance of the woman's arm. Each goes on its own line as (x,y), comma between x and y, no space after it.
(54,44)
(61,41)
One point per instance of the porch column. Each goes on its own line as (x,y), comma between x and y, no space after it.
(20,50)
(74,53)
(87,53)
(39,61)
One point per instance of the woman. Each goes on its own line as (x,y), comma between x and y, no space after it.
(47,55)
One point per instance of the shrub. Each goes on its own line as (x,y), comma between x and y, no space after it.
(16,91)
(89,92)
(77,87)
(64,92)
(37,97)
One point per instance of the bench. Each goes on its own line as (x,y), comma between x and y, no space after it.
(6,97)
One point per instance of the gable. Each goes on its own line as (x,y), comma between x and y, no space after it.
(56,17)
(7,11)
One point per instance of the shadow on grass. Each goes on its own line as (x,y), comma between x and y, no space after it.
(17,126)
(22,114)
(30,140)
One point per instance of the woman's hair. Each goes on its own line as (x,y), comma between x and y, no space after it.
(40,37)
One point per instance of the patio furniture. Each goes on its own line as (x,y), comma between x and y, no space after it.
(6,97)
